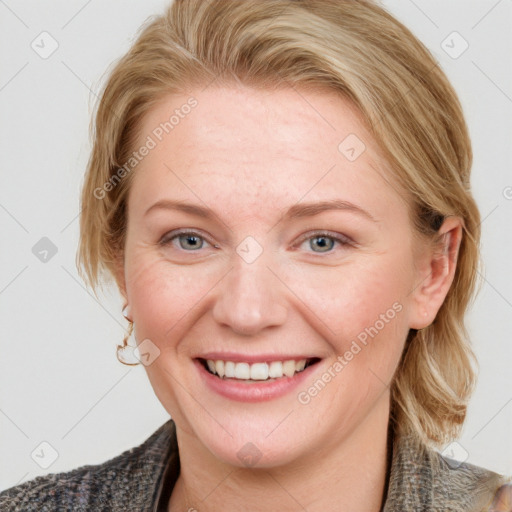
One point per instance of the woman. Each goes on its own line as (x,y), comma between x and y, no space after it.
(309,344)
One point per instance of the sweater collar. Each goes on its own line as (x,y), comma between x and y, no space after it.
(420,479)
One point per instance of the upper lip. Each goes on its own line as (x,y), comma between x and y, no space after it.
(258,358)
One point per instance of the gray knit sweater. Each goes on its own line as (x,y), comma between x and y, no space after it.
(141,479)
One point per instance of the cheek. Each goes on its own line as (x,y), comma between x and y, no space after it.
(350,299)
(163,297)
(361,311)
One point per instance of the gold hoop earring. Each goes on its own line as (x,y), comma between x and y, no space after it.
(124,352)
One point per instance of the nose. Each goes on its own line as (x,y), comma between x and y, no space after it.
(250,297)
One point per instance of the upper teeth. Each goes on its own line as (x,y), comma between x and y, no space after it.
(256,371)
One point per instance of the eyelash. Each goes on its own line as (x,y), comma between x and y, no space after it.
(341,239)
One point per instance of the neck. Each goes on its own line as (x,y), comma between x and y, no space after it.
(344,474)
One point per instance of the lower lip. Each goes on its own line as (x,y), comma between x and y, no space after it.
(253,391)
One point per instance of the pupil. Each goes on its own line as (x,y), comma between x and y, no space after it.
(191,239)
(322,243)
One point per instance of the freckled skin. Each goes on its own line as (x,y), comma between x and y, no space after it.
(249,155)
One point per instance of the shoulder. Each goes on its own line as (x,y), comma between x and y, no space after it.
(72,490)
(475,487)
(127,480)
(423,479)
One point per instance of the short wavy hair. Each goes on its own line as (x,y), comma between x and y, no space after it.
(354,47)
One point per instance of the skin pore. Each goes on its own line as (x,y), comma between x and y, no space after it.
(249,155)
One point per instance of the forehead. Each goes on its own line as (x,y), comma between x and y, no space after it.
(295,119)
(285,143)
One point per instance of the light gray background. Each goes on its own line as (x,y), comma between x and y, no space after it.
(60,381)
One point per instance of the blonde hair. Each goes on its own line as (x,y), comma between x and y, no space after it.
(356,48)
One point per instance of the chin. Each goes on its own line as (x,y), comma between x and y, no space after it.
(257,454)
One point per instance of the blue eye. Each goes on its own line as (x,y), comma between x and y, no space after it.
(191,241)
(185,237)
(323,242)
(326,241)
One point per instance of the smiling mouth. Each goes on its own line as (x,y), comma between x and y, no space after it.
(257,372)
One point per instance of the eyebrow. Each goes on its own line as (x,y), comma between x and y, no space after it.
(294,212)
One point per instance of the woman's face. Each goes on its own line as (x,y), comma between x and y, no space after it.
(264,272)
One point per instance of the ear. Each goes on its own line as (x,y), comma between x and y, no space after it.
(436,270)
